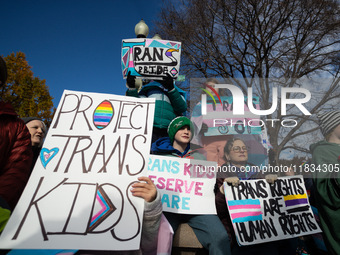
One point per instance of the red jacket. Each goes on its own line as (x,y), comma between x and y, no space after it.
(15,155)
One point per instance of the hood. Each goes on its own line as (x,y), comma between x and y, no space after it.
(313,146)
(164,146)
(7,109)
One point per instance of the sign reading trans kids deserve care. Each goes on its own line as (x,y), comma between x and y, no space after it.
(262,212)
(186,185)
(78,196)
(150,58)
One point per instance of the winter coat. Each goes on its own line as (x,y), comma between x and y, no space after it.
(326,156)
(15,155)
(169,104)
(163,146)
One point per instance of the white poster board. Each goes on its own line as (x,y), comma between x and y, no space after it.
(186,185)
(78,195)
(150,58)
(262,212)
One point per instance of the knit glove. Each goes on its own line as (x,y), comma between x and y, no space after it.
(167,82)
(131,81)
(235,181)
(271,178)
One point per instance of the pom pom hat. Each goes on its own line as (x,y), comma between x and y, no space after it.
(328,121)
(176,124)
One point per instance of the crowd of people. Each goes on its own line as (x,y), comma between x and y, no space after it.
(21,141)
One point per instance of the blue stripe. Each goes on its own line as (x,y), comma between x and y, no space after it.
(244,202)
(248,218)
(107,208)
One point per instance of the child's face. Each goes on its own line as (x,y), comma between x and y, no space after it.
(183,135)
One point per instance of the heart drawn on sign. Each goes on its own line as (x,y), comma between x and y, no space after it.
(46,155)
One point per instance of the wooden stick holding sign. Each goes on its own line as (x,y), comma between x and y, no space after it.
(262,212)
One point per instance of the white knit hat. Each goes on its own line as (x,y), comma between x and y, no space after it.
(328,121)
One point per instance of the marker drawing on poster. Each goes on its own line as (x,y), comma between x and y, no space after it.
(150,58)
(262,212)
(78,196)
(186,185)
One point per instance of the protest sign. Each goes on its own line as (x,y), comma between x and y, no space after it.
(186,185)
(150,58)
(262,212)
(78,194)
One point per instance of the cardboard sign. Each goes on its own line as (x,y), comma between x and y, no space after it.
(78,195)
(185,184)
(262,212)
(150,58)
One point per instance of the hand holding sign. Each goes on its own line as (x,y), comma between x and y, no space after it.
(144,189)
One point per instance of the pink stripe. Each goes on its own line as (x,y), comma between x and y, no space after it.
(236,207)
(102,210)
(100,123)
(131,64)
(244,214)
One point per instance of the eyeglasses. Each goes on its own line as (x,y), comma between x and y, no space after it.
(238,148)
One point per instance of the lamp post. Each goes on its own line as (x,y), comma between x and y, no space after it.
(141,29)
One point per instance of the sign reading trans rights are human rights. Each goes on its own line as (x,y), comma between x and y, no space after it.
(262,212)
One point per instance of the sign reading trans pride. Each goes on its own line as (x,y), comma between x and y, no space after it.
(150,58)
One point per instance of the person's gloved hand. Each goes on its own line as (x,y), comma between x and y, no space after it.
(235,181)
(131,80)
(271,178)
(167,82)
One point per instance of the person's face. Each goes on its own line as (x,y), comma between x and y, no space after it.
(335,134)
(37,131)
(238,154)
(183,135)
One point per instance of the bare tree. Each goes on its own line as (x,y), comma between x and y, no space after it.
(262,41)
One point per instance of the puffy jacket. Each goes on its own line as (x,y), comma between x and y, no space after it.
(15,155)
(169,104)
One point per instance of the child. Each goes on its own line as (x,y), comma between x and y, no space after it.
(169,102)
(326,157)
(208,228)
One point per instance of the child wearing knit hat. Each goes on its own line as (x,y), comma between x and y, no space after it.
(326,163)
(208,229)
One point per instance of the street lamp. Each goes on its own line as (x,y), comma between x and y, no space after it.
(141,29)
(157,36)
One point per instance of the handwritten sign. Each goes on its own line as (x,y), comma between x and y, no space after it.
(186,185)
(150,58)
(78,195)
(262,212)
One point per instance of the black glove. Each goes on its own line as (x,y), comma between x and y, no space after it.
(167,82)
(131,80)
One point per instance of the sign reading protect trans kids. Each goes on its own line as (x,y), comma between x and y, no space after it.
(78,196)
(150,58)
